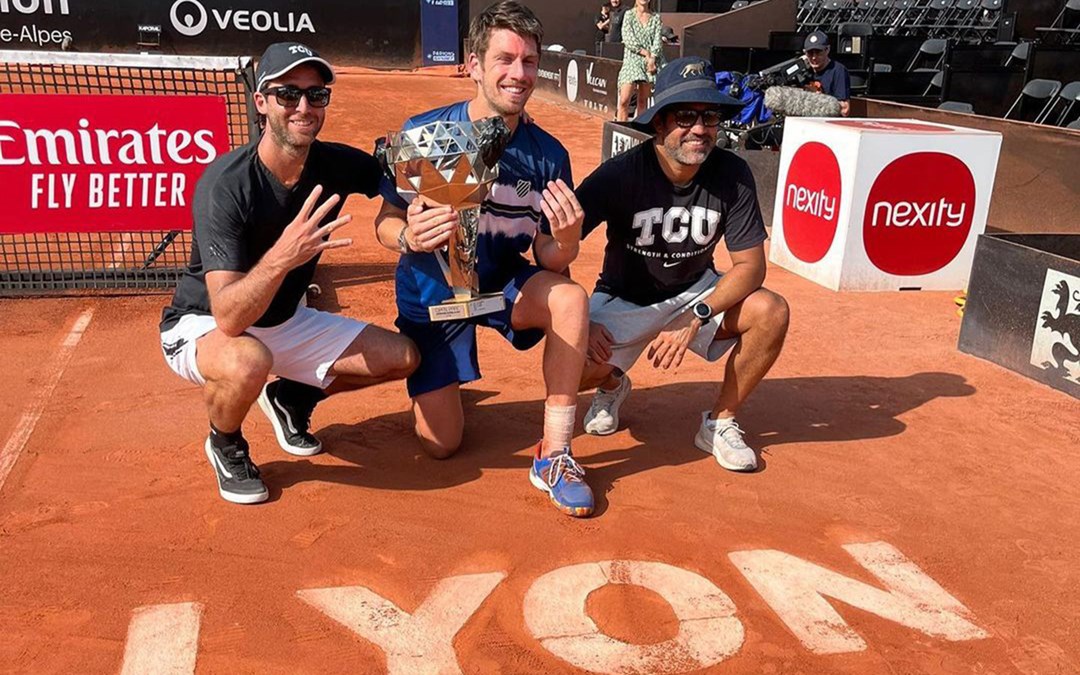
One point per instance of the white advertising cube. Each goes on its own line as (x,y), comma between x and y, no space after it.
(882,204)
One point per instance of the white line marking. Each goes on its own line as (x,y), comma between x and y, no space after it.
(162,640)
(15,444)
(420,643)
(796,591)
(118,255)
(709,631)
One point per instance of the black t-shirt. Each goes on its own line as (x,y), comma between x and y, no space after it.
(601,35)
(835,81)
(240,209)
(661,237)
(614,33)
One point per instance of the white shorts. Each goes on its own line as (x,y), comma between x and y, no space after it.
(304,347)
(634,326)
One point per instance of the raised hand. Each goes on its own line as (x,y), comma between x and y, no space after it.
(304,238)
(564,213)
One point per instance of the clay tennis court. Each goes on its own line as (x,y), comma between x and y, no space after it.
(951,477)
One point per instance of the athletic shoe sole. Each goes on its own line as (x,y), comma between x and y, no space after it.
(615,418)
(575,511)
(705,445)
(235,498)
(268,409)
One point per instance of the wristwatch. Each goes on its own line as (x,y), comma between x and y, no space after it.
(703,311)
(402,242)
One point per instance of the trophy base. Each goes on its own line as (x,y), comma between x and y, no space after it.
(452,310)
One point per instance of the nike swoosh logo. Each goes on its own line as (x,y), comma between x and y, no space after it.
(673,264)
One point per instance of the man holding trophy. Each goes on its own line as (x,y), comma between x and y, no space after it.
(471,186)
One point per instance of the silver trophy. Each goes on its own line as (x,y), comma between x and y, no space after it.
(451,164)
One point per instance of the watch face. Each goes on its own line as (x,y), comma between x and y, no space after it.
(702,311)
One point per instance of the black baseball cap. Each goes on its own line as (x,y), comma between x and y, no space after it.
(281,57)
(815,40)
(689,79)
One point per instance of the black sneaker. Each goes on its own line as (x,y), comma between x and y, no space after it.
(290,421)
(237,477)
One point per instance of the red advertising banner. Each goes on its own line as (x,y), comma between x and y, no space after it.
(97,163)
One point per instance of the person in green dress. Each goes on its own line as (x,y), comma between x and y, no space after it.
(644,56)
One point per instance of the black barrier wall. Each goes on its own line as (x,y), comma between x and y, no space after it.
(1022,307)
(376,33)
(587,82)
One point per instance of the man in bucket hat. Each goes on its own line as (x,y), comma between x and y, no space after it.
(667,203)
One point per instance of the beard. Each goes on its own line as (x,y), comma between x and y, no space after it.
(681,153)
(288,139)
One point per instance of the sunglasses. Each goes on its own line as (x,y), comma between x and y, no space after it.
(288,95)
(688,117)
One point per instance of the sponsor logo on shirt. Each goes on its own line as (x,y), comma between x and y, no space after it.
(676,224)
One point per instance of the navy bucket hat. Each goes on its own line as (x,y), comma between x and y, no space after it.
(690,79)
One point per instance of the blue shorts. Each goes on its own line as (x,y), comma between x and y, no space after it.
(448,348)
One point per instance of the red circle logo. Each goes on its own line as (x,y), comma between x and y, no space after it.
(919,213)
(812,202)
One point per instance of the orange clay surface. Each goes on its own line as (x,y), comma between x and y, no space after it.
(874,428)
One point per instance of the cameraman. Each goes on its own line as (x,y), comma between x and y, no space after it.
(830,77)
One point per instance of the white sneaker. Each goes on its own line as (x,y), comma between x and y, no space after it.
(723,439)
(603,416)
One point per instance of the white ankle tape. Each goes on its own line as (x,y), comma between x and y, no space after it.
(559,425)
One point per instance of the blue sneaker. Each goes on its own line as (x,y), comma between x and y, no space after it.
(564,481)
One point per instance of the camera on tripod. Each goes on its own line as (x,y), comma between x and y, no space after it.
(794,72)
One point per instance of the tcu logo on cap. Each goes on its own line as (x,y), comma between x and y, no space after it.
(811,202)
(300,49)
(919,213)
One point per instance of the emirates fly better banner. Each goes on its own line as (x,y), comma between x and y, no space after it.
(88,163)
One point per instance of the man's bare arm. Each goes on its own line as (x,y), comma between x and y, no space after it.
(238,299)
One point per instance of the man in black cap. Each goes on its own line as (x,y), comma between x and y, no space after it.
(667,203)
(830,77)
(263,214)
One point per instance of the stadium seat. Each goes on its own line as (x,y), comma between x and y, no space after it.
(806,10)
(858,82)
(934,48)
(1075,124)
(850,38)
(1019,54)
(1067,99)
(1034,91)
(1066,26)
(935,83)
(739,4)
(957,106)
